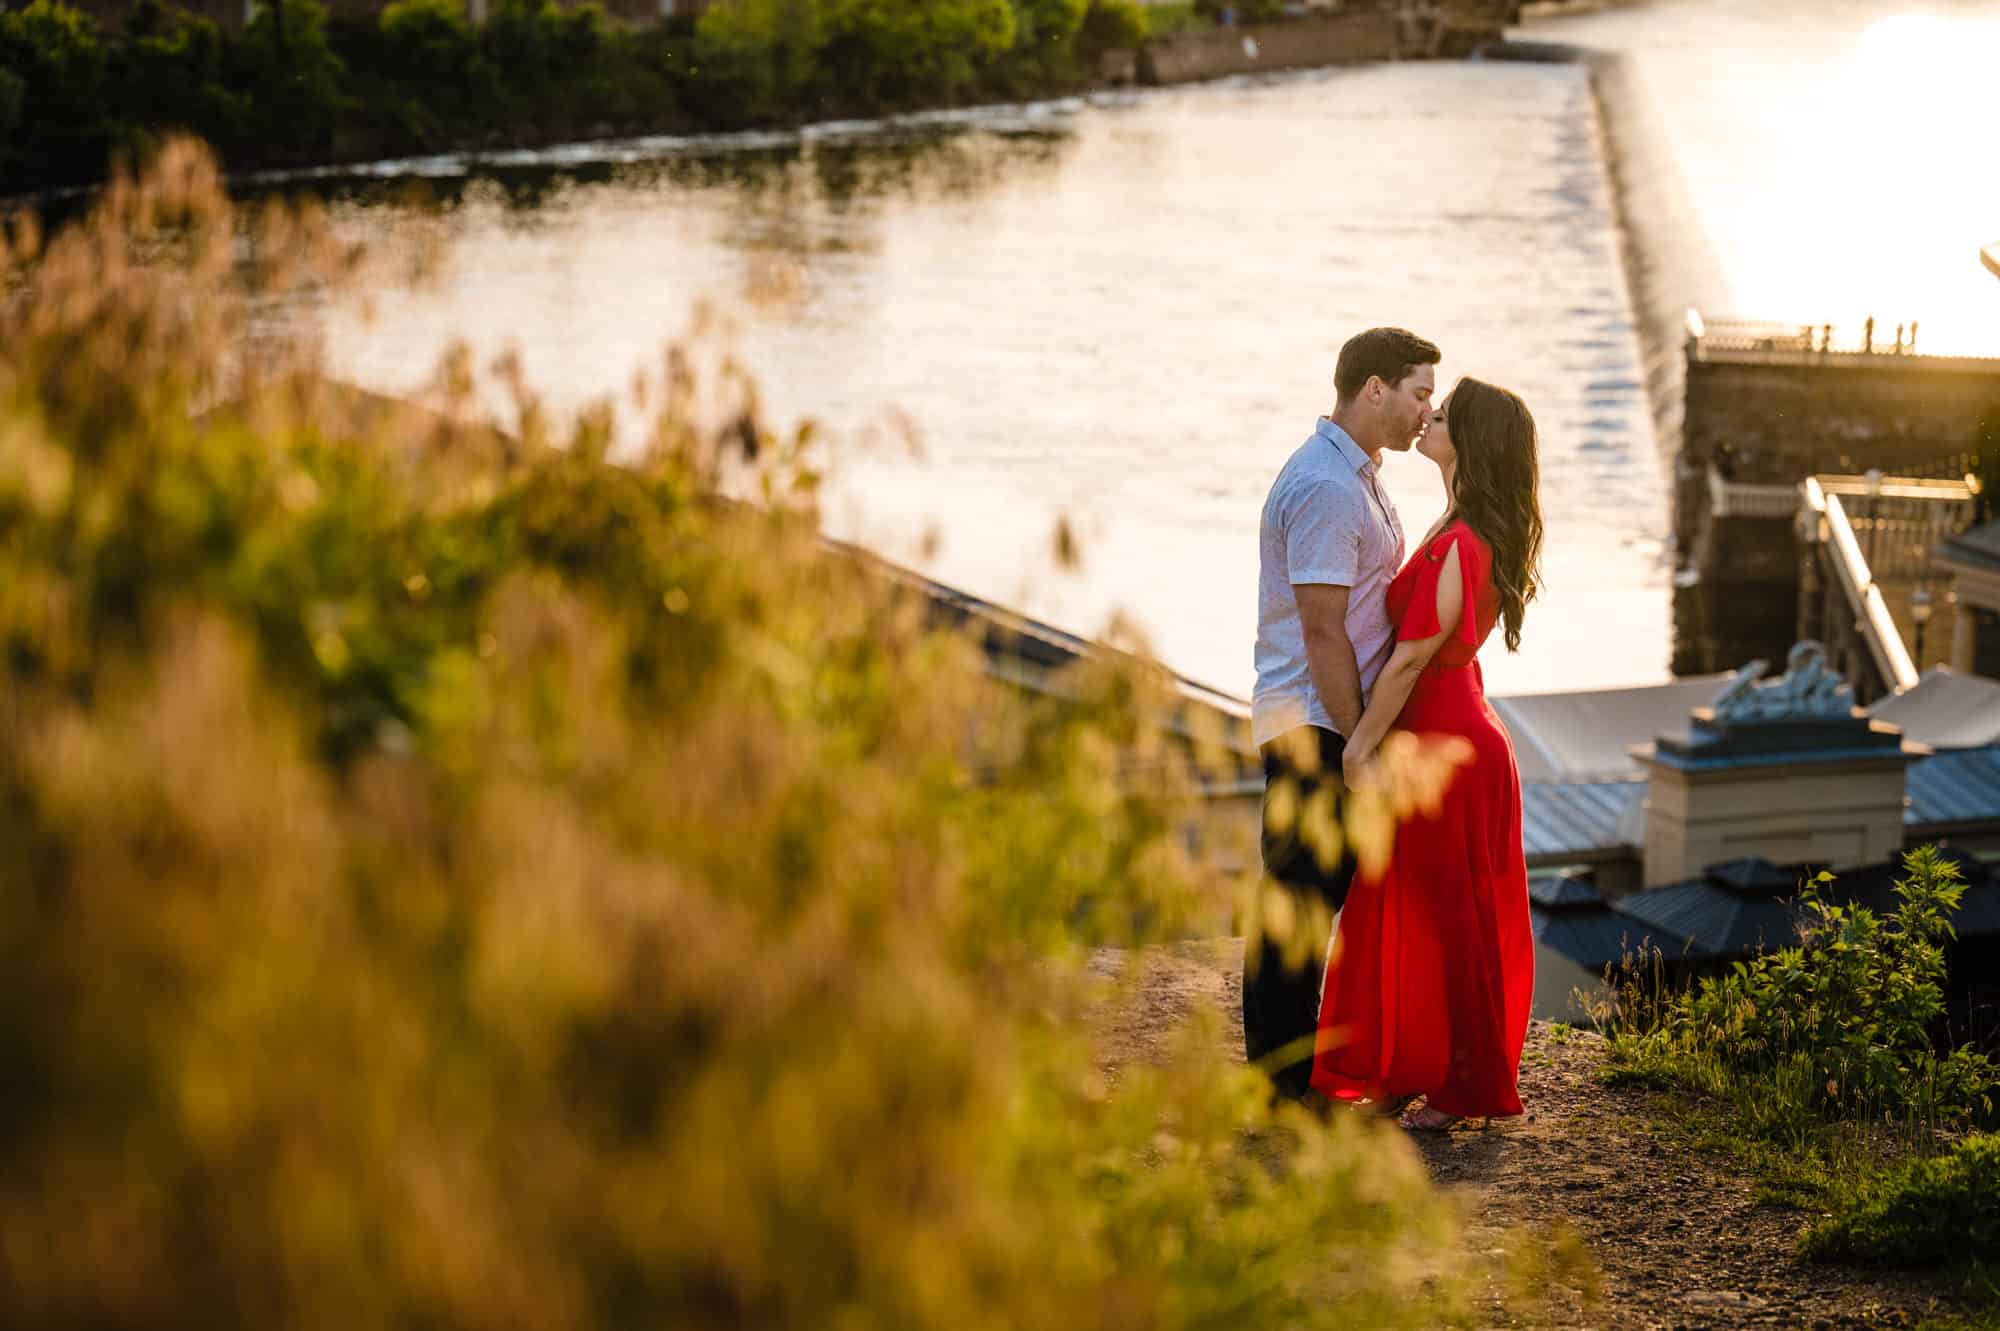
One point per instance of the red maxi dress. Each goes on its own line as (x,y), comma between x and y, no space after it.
(1432,970)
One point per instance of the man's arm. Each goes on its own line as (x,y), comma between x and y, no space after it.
(1329,654)
(1399,677)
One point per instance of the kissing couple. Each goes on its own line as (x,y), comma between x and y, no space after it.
(1414,979)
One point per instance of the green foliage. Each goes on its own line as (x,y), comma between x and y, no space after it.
(1840,1027)
(883,52)
(759,55)
(1112,25)
(1242,11)
(1174,16)
(869,54)
(296,84)
(420,70)
(1930,1212)
(13,96)
(428,41)
(290,75)
(456,880)
(1046,34)
(54,61)
(529,43)
(173,72)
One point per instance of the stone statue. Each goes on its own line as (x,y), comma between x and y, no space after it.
(1807,691)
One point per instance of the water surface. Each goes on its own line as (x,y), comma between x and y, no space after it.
(1844,155)
(1125,310)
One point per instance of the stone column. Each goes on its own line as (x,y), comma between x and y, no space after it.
(1840,812)
(1786,770)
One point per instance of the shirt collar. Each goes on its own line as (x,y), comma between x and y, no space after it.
(1343,444)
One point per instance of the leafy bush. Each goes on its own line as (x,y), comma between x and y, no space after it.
(1840,1027)
(455,880)
(1045,34)
(1939,1211)
(171,73)
(756,56)
(53,59)
(1242,11)
(1112,25)
(13,96)
(887,51)
(766,56)
(297,83)
(286,68)
(428,41)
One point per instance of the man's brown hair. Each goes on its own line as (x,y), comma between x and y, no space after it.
(1385,353)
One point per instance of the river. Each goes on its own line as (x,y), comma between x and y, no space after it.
(1125,309)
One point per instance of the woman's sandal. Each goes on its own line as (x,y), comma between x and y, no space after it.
(1427,1119)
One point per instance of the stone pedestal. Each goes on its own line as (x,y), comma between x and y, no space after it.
(1824,790)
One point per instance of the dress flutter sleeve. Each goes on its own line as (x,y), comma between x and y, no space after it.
(1421,619)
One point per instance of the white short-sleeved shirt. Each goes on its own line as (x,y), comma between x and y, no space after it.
(1326,521)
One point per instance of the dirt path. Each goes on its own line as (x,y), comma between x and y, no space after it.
(1676,1236)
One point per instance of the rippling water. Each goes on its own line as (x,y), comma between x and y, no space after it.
(1126,309)
(1844,155)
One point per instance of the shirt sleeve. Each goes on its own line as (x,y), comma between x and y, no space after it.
(1323,535)
(1420,620)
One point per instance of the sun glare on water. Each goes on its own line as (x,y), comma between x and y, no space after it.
(1888,188)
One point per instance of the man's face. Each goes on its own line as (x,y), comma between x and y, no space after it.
(1404,408)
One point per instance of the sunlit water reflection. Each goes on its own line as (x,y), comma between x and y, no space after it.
(1127,309)
(1128,314)
(1843,154)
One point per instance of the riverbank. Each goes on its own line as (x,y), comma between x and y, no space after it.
(298,90)
(1674,1235)
(298,86)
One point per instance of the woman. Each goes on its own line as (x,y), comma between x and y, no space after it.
(1431,972)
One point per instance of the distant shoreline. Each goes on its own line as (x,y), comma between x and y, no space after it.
(1354,35)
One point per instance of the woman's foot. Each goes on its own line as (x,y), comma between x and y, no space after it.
(1426,1119)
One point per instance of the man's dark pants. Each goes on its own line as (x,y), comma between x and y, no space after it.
(1281,1001)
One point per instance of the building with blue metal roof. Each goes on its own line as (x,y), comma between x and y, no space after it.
(1766,789)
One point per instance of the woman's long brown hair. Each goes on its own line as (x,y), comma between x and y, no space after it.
(1497,490)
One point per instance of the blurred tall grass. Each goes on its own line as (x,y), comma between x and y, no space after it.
(453,880)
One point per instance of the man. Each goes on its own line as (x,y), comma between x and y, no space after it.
(1330,542)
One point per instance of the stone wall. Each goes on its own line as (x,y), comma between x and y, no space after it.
(1332,39)
(1783,422)
(1779,420)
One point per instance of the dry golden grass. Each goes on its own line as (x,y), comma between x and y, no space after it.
(453,880)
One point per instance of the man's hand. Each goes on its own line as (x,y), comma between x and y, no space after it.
(1357,766)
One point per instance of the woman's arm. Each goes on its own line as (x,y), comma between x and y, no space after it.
(1393,685)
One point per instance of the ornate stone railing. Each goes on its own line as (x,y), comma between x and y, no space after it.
(1832,534)
(1868,342)
(1742,499)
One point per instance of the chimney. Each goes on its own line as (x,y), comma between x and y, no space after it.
(1785,769)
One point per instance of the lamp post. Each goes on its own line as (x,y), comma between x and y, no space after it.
(1920,615)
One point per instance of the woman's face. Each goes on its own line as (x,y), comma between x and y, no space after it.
(1436,441)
